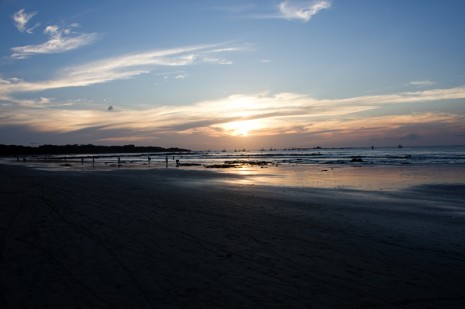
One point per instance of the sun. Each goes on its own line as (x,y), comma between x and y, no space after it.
(241,128)
(244,131)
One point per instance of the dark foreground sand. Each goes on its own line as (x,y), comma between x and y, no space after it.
(159,238)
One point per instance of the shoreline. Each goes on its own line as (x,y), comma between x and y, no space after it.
(357,177)
(171,238)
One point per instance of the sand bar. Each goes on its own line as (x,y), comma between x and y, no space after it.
(181,238)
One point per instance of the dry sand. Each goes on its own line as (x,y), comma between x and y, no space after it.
(174,238)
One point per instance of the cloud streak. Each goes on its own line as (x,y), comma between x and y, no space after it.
(260,114)
(422,83)
(302,10)
(117,68)
(60,40)
(291,10)
(21,19)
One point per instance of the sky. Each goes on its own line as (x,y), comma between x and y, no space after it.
(232,74)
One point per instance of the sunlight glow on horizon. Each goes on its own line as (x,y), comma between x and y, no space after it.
(240,128)
(333,75)
(263,117)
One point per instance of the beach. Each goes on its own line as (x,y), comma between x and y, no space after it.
(170,238)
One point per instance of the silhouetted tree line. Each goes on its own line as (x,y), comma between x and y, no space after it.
(16,150)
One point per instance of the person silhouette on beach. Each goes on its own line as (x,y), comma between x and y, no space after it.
(166,160)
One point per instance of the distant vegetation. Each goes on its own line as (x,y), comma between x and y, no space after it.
(15,150)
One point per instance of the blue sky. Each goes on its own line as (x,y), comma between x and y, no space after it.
(233,74)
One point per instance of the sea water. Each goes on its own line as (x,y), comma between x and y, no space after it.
(380,156)
(434,155)
(379,168)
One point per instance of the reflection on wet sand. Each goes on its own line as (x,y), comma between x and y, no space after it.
(172,237)
(360,177)
(386,178)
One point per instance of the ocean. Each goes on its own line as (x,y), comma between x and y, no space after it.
(357,156)
(380,168)
(432,155)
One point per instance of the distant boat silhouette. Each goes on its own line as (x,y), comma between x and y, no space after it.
(400,146)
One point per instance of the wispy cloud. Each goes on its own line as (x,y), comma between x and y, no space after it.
(181,76)
(166,76)
(21,19)
(292,10)
(407,97)
(422,83)
(262,114)
(302,10)
(60,40)
(120,67)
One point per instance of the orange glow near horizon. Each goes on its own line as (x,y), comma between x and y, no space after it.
(280,120)
(240,128)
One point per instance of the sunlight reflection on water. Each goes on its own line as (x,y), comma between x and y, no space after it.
(388,178)
(363,178)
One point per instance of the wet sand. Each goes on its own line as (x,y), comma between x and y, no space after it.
(178,238)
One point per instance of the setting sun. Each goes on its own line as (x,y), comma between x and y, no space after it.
(240,128)
(243,130)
